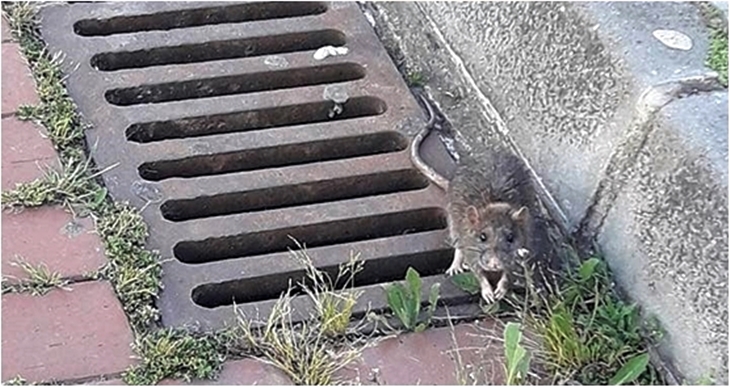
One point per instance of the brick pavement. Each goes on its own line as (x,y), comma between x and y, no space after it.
(69,334)
(81,333)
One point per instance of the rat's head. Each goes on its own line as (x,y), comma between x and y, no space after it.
(499,233)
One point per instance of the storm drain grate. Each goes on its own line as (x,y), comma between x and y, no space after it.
(230,136)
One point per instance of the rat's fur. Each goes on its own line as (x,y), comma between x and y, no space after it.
(489,217)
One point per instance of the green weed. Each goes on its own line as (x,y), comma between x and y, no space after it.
(633,368)
(16,381)
(73,186)
(405,301)
(517,358)
(717,55)
(303,351)
(590,335)
(467,282)
(415,78)
(177,354)
(716,23)
(312,351)
(706,379)
(40,280)
(333,308)
(133,271)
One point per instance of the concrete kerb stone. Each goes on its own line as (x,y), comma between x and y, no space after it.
(565,80)
(667,233)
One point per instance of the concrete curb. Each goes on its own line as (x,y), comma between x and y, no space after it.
(598,107)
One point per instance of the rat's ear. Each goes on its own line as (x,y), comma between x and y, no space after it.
(521,215)
(473,215)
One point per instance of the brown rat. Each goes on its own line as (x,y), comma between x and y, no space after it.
(489,220)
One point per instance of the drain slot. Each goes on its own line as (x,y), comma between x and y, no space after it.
(164,21)
(217,50)
(294,195)
(223,107)
(272,286)
(237,84)
(251,120)
(315,235)
(275,156)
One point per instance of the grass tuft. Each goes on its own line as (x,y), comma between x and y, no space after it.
(74,186)
(134,271)
(16,381)
(717,55)
(589,334)
(415,78)
(303,351)
(309,352)
(40,279)
(716,23)
(177,354)
(333,308)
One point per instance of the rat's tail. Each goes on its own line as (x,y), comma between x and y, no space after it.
(418,162)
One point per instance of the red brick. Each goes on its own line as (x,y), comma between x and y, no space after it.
(51,236)
(65,334)
(242,372)
(25,152)
(429,358)
(6,36)
(18,87)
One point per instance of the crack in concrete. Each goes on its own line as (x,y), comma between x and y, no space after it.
(490,113)
(619,169)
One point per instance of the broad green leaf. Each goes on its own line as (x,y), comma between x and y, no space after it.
(414,283)
(433,297)
(588,268)
(99,197)
(397,302)
(512,336)
(631,370)
(467,282)
(513,365)
(524,365)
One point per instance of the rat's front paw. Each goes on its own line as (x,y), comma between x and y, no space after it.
(488,295)
(454,270)
(500,292)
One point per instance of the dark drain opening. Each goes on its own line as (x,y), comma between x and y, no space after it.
(308,113)
(275,156)
(196,17)
(237,84)
(314,235)
(217,50)
(294,195)
(272,286)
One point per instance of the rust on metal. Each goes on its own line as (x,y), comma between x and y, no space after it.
(231,135)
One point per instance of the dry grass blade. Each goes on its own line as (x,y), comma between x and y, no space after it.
(40,279)
(309,352)
(333,308)
(302,351)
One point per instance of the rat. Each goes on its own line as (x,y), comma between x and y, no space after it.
(488,213)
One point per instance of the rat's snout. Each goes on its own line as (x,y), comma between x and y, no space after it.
(491,262)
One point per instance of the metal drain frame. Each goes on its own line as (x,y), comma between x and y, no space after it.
(87,86)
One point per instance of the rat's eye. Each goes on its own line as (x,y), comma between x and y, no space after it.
(510,237)
(483,237)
